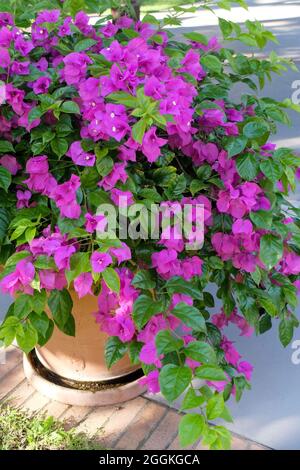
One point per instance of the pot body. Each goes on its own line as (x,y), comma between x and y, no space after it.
(81,357)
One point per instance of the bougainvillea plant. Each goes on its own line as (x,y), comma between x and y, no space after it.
(91,114)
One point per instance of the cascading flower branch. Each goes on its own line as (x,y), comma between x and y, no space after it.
(123,114)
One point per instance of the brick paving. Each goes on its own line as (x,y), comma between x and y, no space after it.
(138,424)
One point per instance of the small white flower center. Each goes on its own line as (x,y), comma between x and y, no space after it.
(114,129)
(112,115)
(174,103)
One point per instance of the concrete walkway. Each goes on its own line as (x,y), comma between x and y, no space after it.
(137,424)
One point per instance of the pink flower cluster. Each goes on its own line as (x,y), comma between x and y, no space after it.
(221,320)
(41,181)
(20,279)
(114,315)
(232,356)
(241,247)
(167,264)
(241,200)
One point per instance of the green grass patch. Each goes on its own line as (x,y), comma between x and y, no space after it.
(20,430)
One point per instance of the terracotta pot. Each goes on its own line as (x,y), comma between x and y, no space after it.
(82,357)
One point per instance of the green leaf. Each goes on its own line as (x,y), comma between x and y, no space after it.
(144,280)
(134,352)
(4,223)
(226,27)
(6,147)
(165,342)
(150,193)
(34,113)
(163,176)
(69,327)
(144,308)
(121,97)
(59,147)
(190,316)
(70,107)
(18,232)
(197,37)
(5,178)
(286,331)
(63,91)
(240,384)
(214,334)
(23,306)
(16,257)
(247,166)
(45,262)
(61,304)
(271,250)
(79,263)
(43,326)
(138,130)
(174,380)
(179,285)
(247,39)
(8,329)
(208,299)
(271,169)
(287,157)
(114,351)
(111,279)
(191,400)
(28,339)
(215,406)
(74,6)
(66,225)
(30,234)
(176,187)
(39,300)
(157,38)
(212,63)
(84,44)
(262,219)
(256,276)
(235,145)
(104,165)
(210,372)
(196,186)
(226,415)
(201,352)
(278,114)
(265,323)
(256,128)
(191,428)
(267,303)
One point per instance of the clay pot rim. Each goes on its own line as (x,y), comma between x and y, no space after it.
(70,396)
